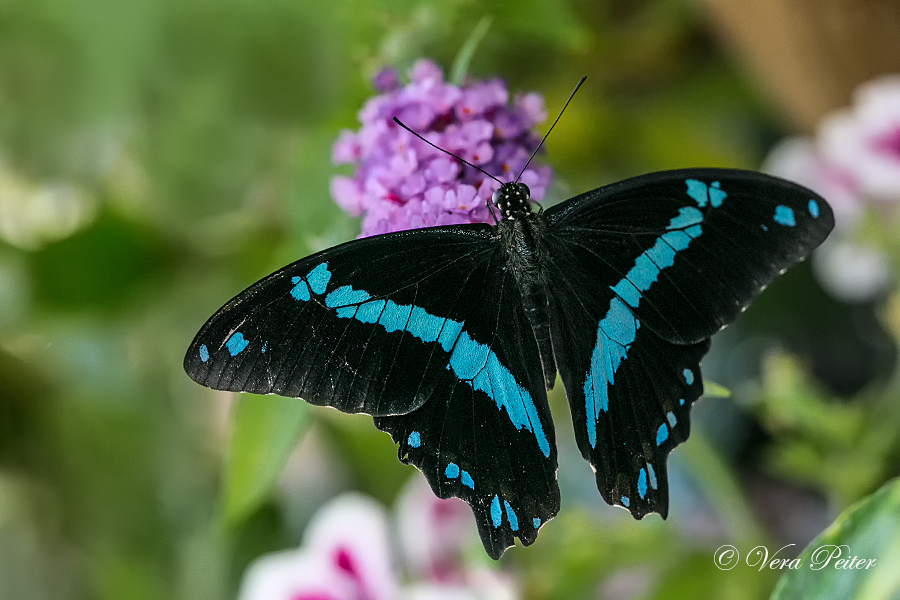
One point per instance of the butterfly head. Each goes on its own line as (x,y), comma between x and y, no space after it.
(512,200)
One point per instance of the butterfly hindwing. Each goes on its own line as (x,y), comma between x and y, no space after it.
(641,274)
(629,391)
(425,330)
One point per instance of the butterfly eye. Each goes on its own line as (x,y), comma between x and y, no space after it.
(523,189)
(495,197)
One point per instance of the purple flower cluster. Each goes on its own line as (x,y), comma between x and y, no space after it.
(403,183)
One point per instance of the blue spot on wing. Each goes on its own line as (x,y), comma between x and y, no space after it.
(662,434)
(687,216)
(625,501)
(716,194)
(466,480)
(511,515)
(204,353)
(670,416)
(469,358)
(395,316)
(702,193)
(450,331)
(652,475)
(627,291)
(345,296)
(642,484)
(784,215)
(425,326)
(813,208)
(301,290)
(236,343)
(318,278)
(688,376)
(370,312)
(452,471)
(414,439)
(536,522)
(697,190)
(496,515)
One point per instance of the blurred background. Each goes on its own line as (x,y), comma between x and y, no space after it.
(156,157)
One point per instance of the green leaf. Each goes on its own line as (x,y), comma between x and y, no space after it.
(711,389)
(869,532)
(264,430)
(461,64)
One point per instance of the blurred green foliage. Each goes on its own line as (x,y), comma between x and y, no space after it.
(840,561)
(158,156)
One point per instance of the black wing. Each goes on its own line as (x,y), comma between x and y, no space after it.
(641,273)
(425,331)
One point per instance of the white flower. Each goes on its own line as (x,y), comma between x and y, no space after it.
(852,272)
(35,214)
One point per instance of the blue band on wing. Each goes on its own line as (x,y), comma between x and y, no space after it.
(617,330)
(471,361)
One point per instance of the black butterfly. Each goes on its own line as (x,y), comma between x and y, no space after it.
(451,336)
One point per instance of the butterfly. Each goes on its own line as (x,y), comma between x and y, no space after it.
(450,337)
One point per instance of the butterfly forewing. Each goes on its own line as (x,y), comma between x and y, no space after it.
(426,331)
(332,328)
(728,233)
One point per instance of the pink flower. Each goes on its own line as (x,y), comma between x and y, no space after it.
(348,554)
(797,159)
(345,556)
(401,182)
(433,532)
(854,159)
(864,141)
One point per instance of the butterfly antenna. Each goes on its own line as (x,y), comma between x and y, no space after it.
(400,123)
(572,95)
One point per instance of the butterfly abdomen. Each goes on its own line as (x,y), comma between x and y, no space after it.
(525,258)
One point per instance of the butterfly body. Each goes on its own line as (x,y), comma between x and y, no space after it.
(521,234)
(450,336)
